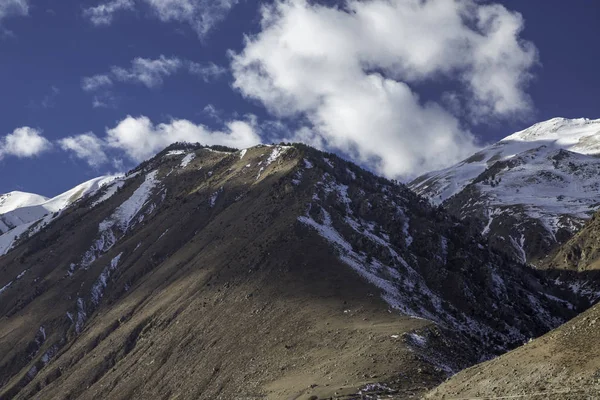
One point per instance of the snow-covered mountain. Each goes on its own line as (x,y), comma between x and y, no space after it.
(530,190)
(22,212)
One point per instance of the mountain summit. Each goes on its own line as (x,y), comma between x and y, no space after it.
(272,272)
(527,192)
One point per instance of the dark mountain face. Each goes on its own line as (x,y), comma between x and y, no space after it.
(276,271)
(562,364)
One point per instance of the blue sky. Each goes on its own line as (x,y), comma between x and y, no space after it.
(369,85)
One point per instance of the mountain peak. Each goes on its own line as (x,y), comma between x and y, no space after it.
(528,191)
(16,199)
(579,135)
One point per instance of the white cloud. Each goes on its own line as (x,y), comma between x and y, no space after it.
(352,74)
(24,142)
(96,82)
(103,14)
(139,138)
(13,8)
(147,71)
(86,146)
(212,112)
(201,15)
(207,72)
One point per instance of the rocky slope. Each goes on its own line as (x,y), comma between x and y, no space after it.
(270,272)
(529,191)
(580,253)
(562,364)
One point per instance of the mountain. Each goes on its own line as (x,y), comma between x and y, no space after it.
(271,272)
(580,253)
(564,363)
(561,365)
(25,213)
(529,191)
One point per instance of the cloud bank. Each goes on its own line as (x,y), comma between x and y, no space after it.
(353,74)
(138,138)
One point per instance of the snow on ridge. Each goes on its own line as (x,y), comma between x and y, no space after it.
(565,132)
(121,220)
(276,153)
(187,159)
(30,213)
(110,192)
(328,162)
(8,239)
(243,153)
(16,199)
(579,136)
(175,153)
(125,213)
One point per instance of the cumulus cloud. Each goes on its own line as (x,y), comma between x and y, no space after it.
(24,142)
(103,14)
(200,15)
(352,72)
(138,138)
(87,147)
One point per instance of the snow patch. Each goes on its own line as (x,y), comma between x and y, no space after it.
(122,219)
(102,281)
(175,153)
(213,197)
(187,159)
(3,289)
(81,316)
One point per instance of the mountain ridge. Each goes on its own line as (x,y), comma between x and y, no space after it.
(217,243)
(529,191)
(24,213)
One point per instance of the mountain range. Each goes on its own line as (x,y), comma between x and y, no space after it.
(283,272)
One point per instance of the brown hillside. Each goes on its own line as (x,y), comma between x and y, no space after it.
(276,272)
